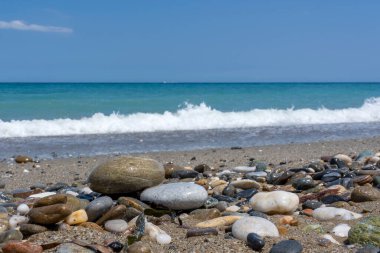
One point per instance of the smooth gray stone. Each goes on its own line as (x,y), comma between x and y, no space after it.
(176,196)
(98,207)
(11,235)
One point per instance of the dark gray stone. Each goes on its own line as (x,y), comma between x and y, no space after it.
(287,246)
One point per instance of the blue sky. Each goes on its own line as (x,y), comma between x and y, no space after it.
(197,40)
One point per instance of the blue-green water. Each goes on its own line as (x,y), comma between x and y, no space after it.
(103,118)
(22,101)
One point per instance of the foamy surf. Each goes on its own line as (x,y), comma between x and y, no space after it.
(191,117)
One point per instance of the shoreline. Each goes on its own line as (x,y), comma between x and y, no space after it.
(77,169)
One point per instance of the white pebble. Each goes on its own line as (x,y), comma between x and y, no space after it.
(244,169)
(341,230)
(86,190)
(23,209)
(42,194)
(17,220)
(330,238)
(280,202)
(72,193)
(263,227)
(116,226)
(331,213)
(163,238)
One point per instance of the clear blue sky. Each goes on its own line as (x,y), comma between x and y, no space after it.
(190,40)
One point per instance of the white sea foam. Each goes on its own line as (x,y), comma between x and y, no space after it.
(192,117)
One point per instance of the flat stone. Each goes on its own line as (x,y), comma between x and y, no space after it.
(279,202)
(116,212)
(176,196)
(49,214)
(246,225)
(132,202)
(287,246)
(139,247)
(21,247)
(366,231)
(11,235)
(333,213)
(218,222)
(246,184)
(116,226)
(205,214)
(365,193)
(31,229)
(51,200)
(126,174)
(244,169)
(98,207)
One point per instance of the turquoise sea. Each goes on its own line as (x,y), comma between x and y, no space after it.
(63,119)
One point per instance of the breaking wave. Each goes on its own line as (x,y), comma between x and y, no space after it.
(191,117)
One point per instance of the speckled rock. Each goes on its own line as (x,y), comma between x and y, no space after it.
(176,196)
(126,174)
(11,235)
(31,229)
(139,247)
(366,231)
(21,247)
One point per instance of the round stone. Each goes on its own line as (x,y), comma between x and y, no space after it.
(304,183)
(287,246)
(246,225)
(77,217)
(311,204)
(23,159)
(98,207)
(365,193)
(280,202)
(23,209)
(31,229)
(116,226)
(255,241)
(176,196)
(126,174)
(139,247)
(341,230)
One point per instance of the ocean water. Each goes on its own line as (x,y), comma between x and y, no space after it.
(72,119)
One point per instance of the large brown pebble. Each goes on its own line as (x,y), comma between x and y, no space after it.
(126,174)
(139,247)
(31,229)
(51,200)
(49,214)
(92,226)
(21,247)
(132,202)
(365,193)
(116,212)
(205,214)
(23,159)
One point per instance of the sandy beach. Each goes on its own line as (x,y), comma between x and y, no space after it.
(75,171)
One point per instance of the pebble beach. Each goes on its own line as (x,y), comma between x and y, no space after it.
(311,197)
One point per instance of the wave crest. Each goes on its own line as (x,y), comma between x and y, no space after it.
(191,117)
